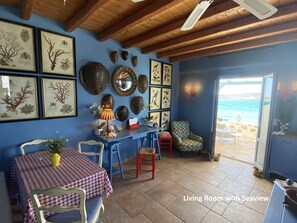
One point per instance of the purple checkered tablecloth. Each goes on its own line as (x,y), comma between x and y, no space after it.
(34,171)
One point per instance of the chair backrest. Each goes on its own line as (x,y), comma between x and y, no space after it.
(180,128)
(34,142)
(99,150)
(54,192)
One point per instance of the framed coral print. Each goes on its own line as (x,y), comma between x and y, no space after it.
(155,98)
(17,47)
(59,98)
(166,74)
(57,53)
(166,96)
(155,118)
(19,98)
(155,72)
(165,120)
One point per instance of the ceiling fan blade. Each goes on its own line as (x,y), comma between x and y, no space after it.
(259,8)
(196,14)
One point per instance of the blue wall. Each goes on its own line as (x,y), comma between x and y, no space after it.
(77,128)
(280,59)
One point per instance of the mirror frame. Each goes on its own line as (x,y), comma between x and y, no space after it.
(115,75)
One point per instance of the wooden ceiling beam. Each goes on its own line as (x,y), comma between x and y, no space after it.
(289,37)
(27,7)
(140,16)
(227,40)
(283,11)
(174,25)
(83,14)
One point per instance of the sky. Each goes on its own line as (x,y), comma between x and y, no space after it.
(240,88)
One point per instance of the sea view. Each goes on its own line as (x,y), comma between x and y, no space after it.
(247,108)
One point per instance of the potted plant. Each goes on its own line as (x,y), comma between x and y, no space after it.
(55,147)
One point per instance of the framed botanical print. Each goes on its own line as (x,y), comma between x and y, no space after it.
(155,98)
(166,98)
(166,74)
(165,120)
(57,53)
(17,47)
(155,72)
(59,98)
(155,118)
(19,98)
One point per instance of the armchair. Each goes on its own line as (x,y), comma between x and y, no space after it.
(183,139)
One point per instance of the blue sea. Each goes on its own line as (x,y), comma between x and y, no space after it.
(245,108)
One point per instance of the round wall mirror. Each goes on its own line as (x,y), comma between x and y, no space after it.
(124,81)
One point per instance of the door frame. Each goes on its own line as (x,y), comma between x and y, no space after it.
(214,115)
(272,111)
(270,125)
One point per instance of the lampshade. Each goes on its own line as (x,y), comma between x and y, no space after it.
(107,114)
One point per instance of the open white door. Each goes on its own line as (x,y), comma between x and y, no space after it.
(264,129)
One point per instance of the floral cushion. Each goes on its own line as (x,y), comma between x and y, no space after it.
(183,138)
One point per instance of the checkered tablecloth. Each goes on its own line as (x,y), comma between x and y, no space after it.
(34,171)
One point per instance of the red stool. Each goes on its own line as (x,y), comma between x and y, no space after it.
(165,141)
(148,153)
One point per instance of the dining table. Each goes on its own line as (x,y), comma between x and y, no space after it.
(34,171)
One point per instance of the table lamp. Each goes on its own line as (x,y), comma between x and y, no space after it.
(107,115)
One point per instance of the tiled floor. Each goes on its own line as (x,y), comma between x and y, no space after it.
(188,189)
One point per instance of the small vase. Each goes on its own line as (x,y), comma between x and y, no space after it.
(55,159)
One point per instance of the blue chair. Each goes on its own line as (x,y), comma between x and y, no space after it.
(114,149)
(86,211)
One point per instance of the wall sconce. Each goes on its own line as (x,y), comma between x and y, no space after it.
(294,86)
(192,89)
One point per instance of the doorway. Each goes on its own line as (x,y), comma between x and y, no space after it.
(237,120)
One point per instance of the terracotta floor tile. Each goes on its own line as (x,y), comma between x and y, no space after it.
(207,200)
(161,196)
(158,214)
(113,212)
(188,211)
(171,187)
(141,218)
(239,213)
(135,203)
(170,173)
(216,181)
(268,188)
(191,183)
(219,207)
(204,176)
(261,184)
(259,206)
(235,188)
(212,217)
(218,192)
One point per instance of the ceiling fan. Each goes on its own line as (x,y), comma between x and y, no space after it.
(259,8)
